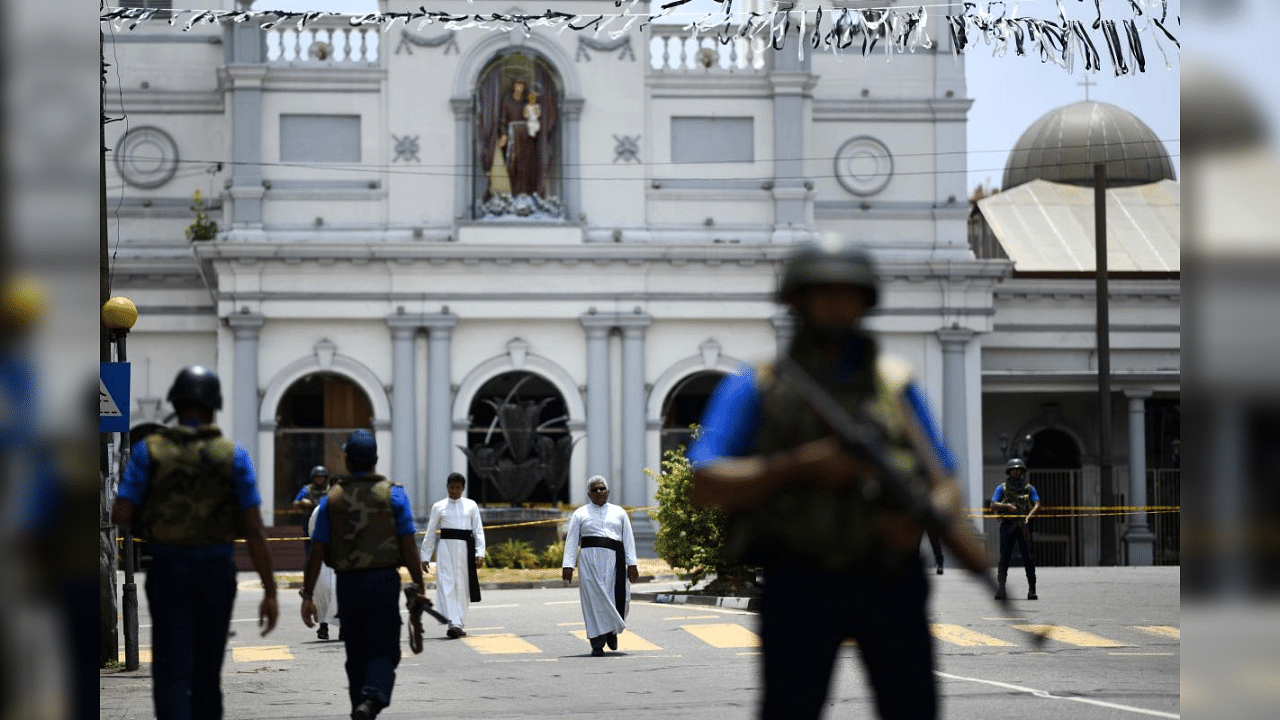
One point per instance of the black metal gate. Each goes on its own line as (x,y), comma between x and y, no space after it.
(1056,526)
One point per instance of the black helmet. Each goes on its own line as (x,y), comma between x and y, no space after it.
(361,447)
(319,470)
(1015,464)
(197,384)
(828,263)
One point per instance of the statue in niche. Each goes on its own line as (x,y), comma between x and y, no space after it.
(524,458)
(516,117)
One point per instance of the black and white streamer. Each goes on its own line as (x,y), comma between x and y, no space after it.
(1059,40)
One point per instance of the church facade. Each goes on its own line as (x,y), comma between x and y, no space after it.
(525,256)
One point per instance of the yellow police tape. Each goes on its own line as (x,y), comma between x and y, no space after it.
(1057,511)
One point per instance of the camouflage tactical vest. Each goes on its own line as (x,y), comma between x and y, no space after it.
(827,529)
(1018,497)
(192,500)
(362,525)
(314,493)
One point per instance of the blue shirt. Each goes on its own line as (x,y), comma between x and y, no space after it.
(732,419)
(399,507)
(136,483)
(998,495)
(304,493)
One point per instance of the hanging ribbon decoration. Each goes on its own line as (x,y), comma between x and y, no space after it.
(821,27)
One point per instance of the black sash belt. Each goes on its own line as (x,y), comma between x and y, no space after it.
(620,568)
(473,580)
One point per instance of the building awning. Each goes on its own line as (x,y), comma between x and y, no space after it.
(1049,227)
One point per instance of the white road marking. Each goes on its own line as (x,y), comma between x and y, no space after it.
(1045,694)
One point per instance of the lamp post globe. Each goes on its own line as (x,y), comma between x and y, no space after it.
(119,314)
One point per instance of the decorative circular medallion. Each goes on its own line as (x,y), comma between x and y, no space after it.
(863,165)
(146,157)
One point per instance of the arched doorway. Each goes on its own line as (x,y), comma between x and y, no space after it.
(313,419)
(683,407)
(1054,469)
(518,442)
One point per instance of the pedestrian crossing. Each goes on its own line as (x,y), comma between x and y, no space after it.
(688,633)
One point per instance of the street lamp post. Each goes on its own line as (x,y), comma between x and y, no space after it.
(119,315)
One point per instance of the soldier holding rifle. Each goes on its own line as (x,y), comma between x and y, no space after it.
(1016,500)
(831,467)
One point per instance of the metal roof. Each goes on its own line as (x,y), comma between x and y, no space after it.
(1049,227)
(1064,144)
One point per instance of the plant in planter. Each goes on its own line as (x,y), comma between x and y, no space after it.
(512,553)
(203,228)
(689,538)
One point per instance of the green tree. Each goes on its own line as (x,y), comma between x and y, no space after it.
(689,538)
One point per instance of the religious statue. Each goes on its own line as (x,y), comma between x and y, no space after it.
(516,134)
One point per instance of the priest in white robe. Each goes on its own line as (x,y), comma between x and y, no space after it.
(456,537)
(325,595)
(600,543)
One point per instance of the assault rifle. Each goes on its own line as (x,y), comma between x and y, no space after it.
(866,440)
(417,604)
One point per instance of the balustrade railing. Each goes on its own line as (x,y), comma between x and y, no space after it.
(324,42)
(673,49)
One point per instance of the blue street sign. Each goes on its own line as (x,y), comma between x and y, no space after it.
(113,397)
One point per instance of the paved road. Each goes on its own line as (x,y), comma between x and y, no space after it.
(1114,653)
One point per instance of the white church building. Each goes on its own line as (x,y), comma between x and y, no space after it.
(536,288)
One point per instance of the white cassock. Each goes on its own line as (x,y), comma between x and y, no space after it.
(598,567)
(325,594)
(453,563)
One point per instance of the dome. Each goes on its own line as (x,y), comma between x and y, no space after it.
(1064,144)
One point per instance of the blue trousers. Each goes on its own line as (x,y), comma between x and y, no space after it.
(370,602)
(190,596)
(1011,535)
(805,616)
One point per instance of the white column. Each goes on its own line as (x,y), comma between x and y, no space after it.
(599,456)
(244,390)
(404,424)
(439,403)
(784,328)
(463,186)
(571,114)
(955,407)
(1138,538)
(633,482)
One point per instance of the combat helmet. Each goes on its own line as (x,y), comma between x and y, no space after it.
(197,384)
(319,470)
(1015,464)
(830,262)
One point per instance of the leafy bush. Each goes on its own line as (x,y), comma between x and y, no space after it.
(512,553)
(689,538)
(203,228)
(552,556)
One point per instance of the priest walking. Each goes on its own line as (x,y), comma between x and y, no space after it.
(600,543)
(456,537)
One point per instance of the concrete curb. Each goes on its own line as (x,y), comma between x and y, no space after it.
(750,604)
(514,585)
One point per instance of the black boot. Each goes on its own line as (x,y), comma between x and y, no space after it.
(1031,591)
(1000,594)
(323,632)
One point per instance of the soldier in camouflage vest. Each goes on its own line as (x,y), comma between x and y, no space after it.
(839,560)
(364,530)
(1016,500)
(190,493)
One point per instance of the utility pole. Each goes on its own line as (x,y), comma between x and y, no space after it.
(1107,555)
